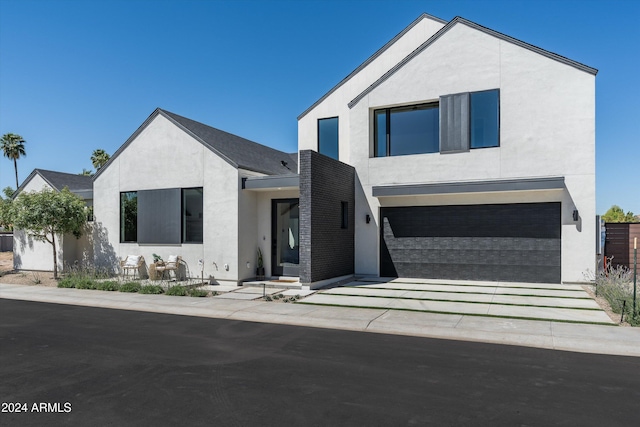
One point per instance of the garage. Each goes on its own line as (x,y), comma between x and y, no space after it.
(494,242)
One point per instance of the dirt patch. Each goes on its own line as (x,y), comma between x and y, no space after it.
(6,261)
(8,275)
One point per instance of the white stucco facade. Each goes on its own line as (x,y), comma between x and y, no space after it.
(547,129)
(161,155)
(32,254)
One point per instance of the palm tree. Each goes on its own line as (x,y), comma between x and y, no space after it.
(99,158)
(85,172)
(12,147)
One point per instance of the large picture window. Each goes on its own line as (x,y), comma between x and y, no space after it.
(457,123)
(328,137)
(406,130)
(161,216)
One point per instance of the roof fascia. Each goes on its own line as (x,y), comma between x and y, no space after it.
(129,140)
(371,59)
(144,125)
(27,180)
(460,20)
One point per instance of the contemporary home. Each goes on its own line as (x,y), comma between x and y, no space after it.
(454,152)
(175,187)
(30,254)
(474,156)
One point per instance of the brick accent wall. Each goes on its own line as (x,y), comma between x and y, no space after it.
(326,249)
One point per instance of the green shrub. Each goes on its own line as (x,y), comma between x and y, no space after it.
(107,286)
(130,287)
(151,289)
(197,293)
(84,283)
(66,283)
(177,291)
(615,284)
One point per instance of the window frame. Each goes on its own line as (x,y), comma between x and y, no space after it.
(337,119)
(388,111)
(471,147)
(183,231)
(122,215)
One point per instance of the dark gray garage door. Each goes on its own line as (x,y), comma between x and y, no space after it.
(514,242)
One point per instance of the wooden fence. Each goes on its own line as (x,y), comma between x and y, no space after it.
(619,242)
(6,242)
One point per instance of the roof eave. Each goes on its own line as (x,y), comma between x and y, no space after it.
(451,24)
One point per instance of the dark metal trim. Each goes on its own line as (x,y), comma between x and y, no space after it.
(371,59)
(478,27)
(532,184)
(268,182)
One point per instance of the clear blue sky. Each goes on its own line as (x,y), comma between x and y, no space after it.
(79,75)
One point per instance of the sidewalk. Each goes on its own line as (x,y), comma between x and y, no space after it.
(531,333)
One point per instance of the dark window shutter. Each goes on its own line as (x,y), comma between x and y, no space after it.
(159,216)
(454,123)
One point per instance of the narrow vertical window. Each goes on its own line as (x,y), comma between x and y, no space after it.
(328,137)
(344,215)
(192,215)
(485,119)
(129,216)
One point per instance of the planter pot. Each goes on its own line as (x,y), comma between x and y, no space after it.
(260,273)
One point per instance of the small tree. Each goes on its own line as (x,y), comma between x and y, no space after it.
(616,214)
(48,213)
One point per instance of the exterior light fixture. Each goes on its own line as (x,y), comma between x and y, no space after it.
(575,215)
(367,218)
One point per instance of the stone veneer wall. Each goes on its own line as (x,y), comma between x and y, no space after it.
(326,249)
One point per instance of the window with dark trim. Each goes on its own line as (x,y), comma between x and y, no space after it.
(469,120)
(412,129)
(162,216)
(328,137)
(457,123)
(129,216)
(192,213)
(344,214)
(485,119)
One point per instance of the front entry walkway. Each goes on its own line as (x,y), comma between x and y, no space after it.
(535,301)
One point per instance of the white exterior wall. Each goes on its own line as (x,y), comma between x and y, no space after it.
(263,236)
(336,103)
(163,156)
(547,129)
(28,253)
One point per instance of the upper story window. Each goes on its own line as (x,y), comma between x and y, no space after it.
(328,137)
(406,130)
(456,123)
(485,119)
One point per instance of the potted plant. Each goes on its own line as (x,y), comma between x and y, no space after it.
(156,258)
(260,268)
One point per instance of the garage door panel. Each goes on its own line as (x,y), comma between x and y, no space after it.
(519,242)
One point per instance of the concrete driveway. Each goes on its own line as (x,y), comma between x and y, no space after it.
(558,302)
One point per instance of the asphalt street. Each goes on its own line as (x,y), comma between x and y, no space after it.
(92,366)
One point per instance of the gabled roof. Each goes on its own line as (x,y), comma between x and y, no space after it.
(81,185)
(372,58)
(237,151)
(459,20)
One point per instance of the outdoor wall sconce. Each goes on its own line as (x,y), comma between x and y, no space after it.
(575,215)
(367,218)
(248,264)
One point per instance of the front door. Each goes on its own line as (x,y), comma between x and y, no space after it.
(285,237)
